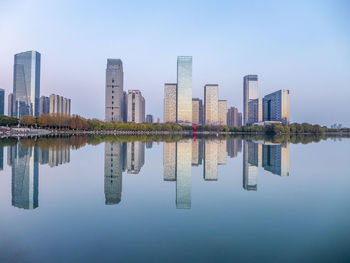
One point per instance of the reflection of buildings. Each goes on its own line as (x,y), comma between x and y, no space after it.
(113,172)
(183,174)
(135,156)
(276,158)
(273,157)
(197,152)
(59,155)
(149,145)
(210,169)
(1,158)
(222,152)
(169,161)
(233,147)
(25,172)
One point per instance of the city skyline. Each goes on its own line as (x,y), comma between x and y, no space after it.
(287,60)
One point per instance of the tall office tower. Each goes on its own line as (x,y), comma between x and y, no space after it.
(210,167)
(254,111)
(211,104)
(169,161)
(125,106)
(44,105)
(239,119)
(26,84)
(184,90)
(149,118)
(197,111)
(170,102)
(136,106)
(2,102)
(222,104)
(114,90)
(25,173)
(113,173)
(250,92)
(276,158)
(276,106)
(68,109)
(222,145)
(9,104)
(250,166)
(183,174)
(135,156)
(232,117)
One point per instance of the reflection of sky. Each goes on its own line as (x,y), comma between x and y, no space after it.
(72,210)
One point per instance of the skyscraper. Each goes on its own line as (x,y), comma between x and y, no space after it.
(2,102)
(9,104)
(26,84)
(170,102)
(114,90)
(254,111)
(250,92)
(44,105)
(211,104)
(276,106)
(149,118)
(234,118)
(222,116)
(59,104)
(184,90)
(197,111)
(136,106)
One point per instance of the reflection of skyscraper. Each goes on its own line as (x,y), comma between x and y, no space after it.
(210,169)
(183,174)
(233,147)
(1,158)
(197,152)
(222,151)
(43,156)
(276,158)
(58,154)
(24,176)
(169,161)
(135,156)
(113,173)
(149,145)
(250,166)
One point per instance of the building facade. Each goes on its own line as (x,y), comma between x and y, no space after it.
(9,104)
(222,111)
(149,118)
(26,84)
(136,106)
(254,111)
(114,90)
(184,90)
(234,118)
(59,105)
(276,106)
(197,111)
(44,105)
(211,104)
(250,92)
(170,102)
(2,102)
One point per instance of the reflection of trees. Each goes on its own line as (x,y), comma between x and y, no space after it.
(58,143)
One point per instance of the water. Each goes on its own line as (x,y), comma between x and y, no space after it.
(95,199)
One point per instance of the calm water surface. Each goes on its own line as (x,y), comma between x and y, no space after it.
(107,200)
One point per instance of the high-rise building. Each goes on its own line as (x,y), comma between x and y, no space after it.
(170,102)
(9,104)
(125,106)
(184,90)
(114,90)
(26,84)
(197,111)
(254,111)
(44,105)
(234,118)
(59,104)
(136,106)
(250,92)
(222,116)
(276,106)
(149,118)
(211,104)
(2,102)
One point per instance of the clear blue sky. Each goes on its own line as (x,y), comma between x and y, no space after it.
(303,46)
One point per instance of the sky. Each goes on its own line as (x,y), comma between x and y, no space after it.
(303,46)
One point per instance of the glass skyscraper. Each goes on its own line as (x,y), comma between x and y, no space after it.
(250,92)
(26,84)
(184,90)
(276,106)
(114,90)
